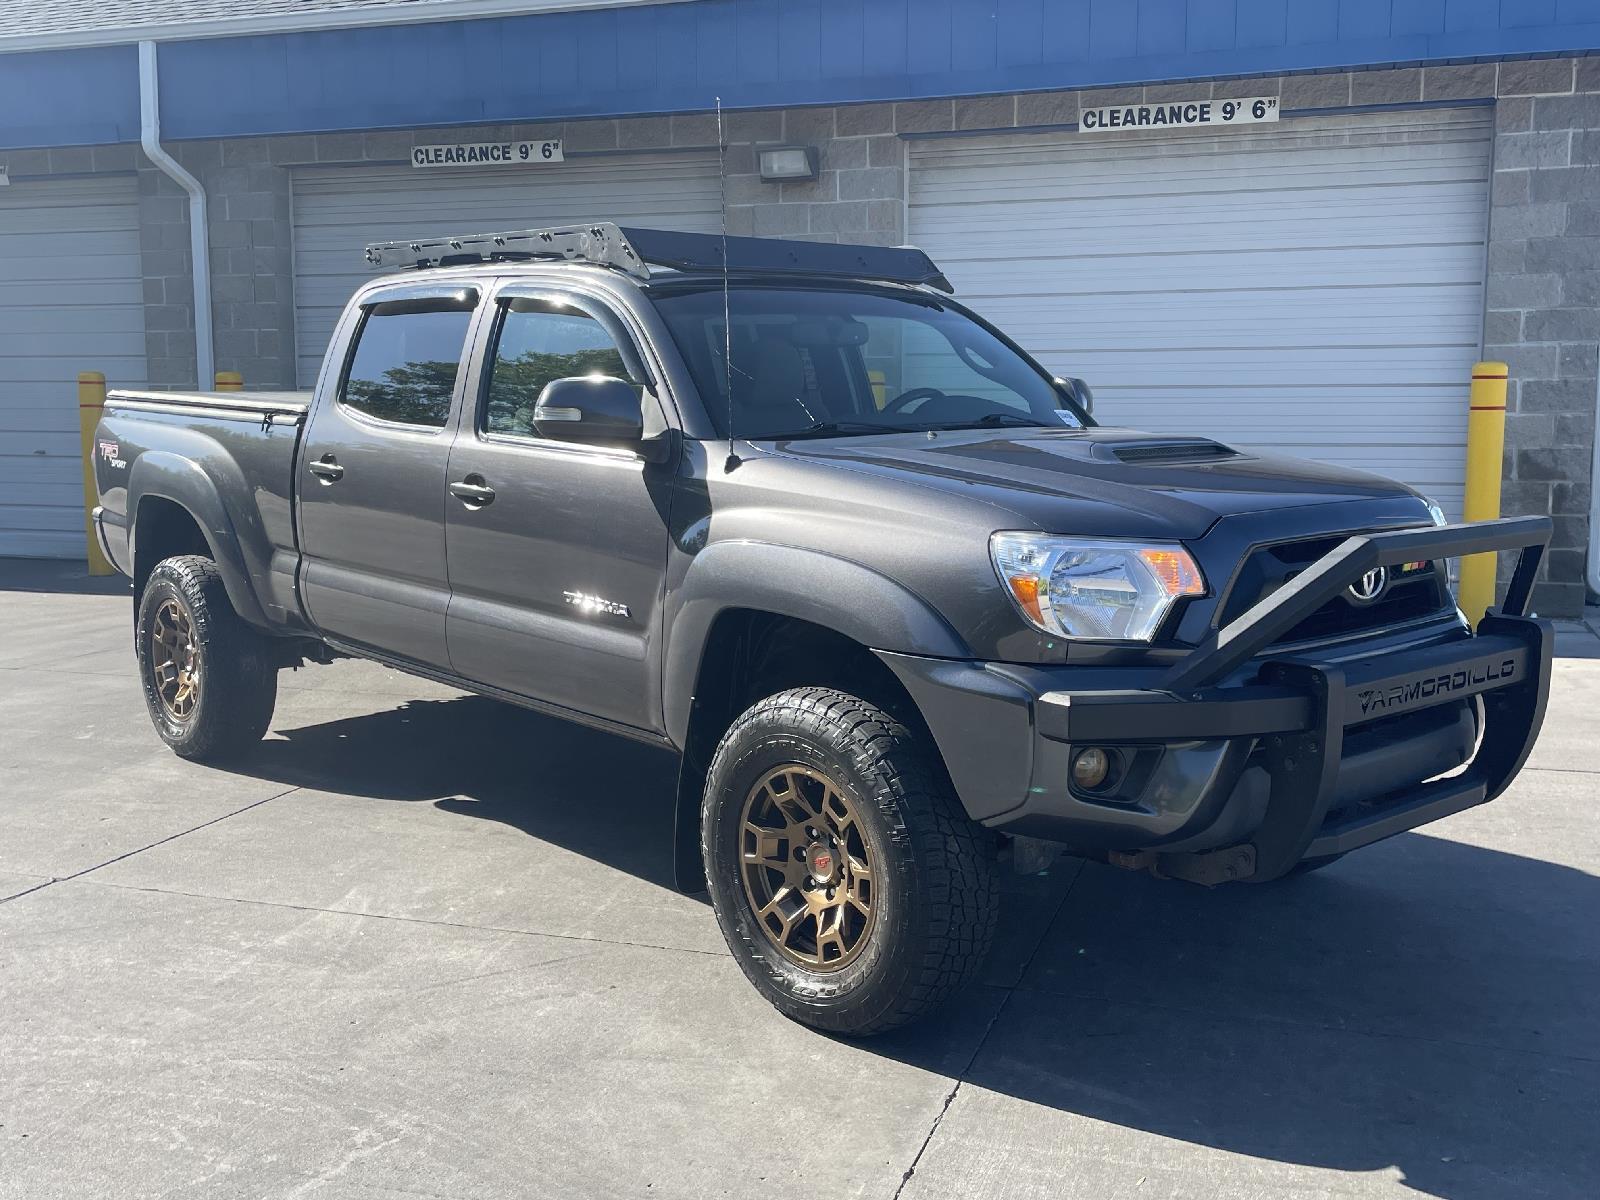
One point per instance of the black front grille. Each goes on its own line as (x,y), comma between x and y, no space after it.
(1413,591)
(1405,600)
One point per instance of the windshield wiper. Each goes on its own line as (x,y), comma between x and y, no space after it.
(994,420)
(830,428)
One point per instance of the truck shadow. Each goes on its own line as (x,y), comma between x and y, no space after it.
(62,577)
(479,758)
(1423,1011)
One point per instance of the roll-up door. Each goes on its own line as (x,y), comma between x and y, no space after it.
(1313,287)
(71,300)
(339,210)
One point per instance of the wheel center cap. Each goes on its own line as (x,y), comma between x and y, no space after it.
(821,860)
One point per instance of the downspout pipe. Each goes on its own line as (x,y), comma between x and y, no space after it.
(199,244)
(1592,573)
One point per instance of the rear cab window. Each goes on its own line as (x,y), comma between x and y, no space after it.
(407,355)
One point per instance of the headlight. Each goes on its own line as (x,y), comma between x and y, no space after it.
(1436,513)
(1089,588)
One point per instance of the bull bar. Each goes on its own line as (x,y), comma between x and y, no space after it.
(1299,706)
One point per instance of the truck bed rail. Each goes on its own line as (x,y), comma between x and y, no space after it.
(251,406)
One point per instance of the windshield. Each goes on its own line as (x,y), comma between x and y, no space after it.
(815,362)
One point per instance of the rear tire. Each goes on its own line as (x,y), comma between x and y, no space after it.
(853,890)
(210,681)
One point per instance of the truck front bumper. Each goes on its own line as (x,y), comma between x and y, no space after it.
(1236,764)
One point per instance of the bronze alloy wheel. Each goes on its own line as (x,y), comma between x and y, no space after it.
(175,659)
(806,868)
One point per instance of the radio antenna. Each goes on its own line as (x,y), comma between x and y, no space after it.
(727,314)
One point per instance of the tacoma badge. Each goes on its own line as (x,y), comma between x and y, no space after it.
(595,604)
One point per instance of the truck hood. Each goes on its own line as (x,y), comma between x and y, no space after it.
(1108,482)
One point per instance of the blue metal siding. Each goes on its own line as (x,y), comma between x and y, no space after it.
(753,53)
(69,97)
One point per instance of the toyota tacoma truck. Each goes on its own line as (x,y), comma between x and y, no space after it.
(904,610)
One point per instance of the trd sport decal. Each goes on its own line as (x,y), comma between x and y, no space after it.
(110,452)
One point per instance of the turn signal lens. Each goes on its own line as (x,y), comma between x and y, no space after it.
(1176,571)
(1025,589)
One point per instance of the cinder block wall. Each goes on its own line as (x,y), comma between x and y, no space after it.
(1543,304)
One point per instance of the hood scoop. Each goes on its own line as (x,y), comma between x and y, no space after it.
(1166,450)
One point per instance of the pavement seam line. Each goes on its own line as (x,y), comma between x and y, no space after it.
(950,1097)
(174,837)
(345,912)
(1009,990)
(29,891)
(1044,931)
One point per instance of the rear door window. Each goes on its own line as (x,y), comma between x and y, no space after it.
(405,362)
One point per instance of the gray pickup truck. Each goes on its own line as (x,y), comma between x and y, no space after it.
(905,612)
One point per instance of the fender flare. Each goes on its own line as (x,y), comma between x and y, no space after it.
(808,585)
(173,477)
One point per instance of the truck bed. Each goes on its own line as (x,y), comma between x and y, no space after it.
(228,459)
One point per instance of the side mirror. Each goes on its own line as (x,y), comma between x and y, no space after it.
(590,408)
(1078,392)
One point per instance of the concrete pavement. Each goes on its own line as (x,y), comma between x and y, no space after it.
(421,944)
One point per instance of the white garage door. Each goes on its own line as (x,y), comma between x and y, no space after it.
(71,300)
(1313,287)
(338,211)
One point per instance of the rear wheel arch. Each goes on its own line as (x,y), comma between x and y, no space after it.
(163,529)
(174,509)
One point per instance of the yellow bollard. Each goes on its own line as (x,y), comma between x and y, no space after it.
(880,388)
(91,399)
(229,381)
(1486,443)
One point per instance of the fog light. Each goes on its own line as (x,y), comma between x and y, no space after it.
(1090,767)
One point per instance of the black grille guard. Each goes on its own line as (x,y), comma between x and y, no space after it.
(1237,642)
(1299,706)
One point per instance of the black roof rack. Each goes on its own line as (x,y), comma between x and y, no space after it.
(632,250)
(703,252)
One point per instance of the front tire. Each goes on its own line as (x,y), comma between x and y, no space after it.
(852,889)
(209,679)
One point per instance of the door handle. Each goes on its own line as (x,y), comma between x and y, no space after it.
(472,491)
(326,468)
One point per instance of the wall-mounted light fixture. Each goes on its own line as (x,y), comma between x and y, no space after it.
(788,163)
